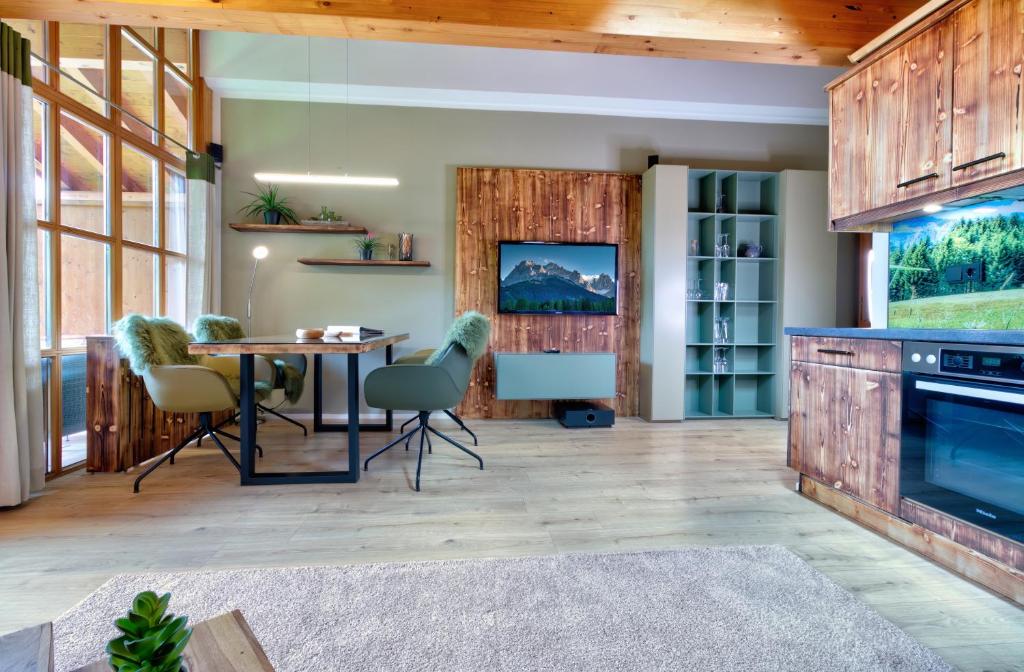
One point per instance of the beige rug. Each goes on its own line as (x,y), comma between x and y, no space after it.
(724,608)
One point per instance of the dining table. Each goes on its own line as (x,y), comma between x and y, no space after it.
(351,347)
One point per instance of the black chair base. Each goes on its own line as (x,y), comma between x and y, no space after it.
(265,409)
(424,430)
(451,415)
(206,428)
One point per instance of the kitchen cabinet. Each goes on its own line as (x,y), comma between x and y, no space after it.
(844,429)
(849,167)
(925,156)
(885,118)
(941,108)
(987,53)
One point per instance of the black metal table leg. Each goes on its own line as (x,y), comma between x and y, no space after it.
(353,415)
(318,402)
(247,417)
(248,429)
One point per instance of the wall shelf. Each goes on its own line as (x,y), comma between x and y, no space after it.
(363,262)
(298,228)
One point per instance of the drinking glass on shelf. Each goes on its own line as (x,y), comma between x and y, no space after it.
(722,248)
(721,291)
(720,364)
(694,247)
(698,288)
(721,330)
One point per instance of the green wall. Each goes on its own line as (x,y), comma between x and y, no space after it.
(422,148)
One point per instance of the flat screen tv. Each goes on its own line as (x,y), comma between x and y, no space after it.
(558,278)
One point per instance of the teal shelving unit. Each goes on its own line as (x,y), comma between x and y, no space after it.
(743,205)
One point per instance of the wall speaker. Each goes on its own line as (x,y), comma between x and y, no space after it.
(216,151)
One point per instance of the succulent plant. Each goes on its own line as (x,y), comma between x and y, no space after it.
(153,640)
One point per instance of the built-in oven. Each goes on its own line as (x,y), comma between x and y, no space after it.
(962,449)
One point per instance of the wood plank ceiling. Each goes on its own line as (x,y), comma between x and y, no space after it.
(806,32)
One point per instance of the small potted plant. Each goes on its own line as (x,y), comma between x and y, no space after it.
(152,639)
(268,202)
(366,246)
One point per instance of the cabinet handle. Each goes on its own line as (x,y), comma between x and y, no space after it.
(984,159)
(830,351)
(907,183)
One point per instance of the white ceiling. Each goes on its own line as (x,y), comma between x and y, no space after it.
(275,67)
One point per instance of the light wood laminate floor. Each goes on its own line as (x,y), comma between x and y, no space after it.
(545,490)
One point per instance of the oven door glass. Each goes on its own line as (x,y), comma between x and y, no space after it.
(963,451)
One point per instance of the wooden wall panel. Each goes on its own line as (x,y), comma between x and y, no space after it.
(494,204)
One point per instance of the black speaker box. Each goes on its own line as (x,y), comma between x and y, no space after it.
(577,414)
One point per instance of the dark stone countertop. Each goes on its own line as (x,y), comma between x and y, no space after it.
(977,336)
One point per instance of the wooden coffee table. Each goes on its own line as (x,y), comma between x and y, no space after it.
(222,644)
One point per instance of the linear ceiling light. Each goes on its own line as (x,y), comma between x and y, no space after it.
(308,178)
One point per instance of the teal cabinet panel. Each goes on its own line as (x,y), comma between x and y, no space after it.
(566,375)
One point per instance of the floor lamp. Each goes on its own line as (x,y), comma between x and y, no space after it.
(258,252)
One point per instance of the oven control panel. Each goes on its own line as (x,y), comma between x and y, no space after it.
(980,362)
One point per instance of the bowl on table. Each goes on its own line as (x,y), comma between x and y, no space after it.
(309,334)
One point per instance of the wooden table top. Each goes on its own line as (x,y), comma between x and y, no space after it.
(269,345)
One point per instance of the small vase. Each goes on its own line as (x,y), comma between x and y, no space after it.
(271,217)
(405,246)
(366,255)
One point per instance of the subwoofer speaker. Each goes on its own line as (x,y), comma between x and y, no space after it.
(577,414)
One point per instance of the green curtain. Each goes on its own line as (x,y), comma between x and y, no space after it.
(22,451)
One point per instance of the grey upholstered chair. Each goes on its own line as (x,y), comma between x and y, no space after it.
(437,384)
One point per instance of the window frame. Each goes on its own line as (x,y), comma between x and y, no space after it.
(55,101)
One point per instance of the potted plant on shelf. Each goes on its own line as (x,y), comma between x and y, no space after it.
(366,245)
(152,639)
(268,202)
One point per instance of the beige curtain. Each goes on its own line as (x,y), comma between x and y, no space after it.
(203,261)
(22,453)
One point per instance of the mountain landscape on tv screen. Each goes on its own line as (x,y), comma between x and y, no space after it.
(535,287)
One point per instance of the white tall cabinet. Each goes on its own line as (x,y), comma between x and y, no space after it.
(792,282)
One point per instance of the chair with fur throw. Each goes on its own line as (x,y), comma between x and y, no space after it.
(290,370)
(177,382)
(436,384)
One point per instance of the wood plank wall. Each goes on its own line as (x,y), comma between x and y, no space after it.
(495,204)
(124,427)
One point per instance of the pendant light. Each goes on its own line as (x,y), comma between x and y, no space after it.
(308,177)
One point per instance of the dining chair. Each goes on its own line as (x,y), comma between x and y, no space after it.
(177,382)
(437,384)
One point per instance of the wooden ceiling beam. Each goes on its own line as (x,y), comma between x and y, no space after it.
(809,32)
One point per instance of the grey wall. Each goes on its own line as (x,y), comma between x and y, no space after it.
(422,148)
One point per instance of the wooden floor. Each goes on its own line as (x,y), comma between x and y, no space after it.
(545,490)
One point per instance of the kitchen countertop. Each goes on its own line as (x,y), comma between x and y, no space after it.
(978,336)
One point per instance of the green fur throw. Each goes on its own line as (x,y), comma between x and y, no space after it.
(152,341)
(471,330)
(290,379)
(212,328)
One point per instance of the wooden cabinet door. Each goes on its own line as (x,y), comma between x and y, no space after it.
(848,155)
(885,117)
(987,56)
(926,134)
(844,430)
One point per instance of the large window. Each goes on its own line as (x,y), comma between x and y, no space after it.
(110,196)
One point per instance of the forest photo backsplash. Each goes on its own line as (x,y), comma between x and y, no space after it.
(959,269)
